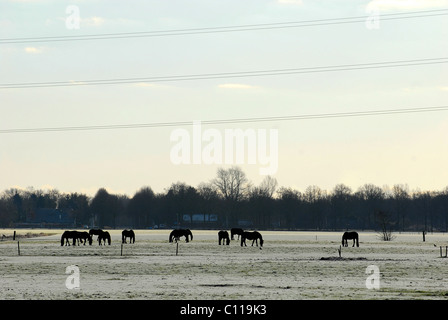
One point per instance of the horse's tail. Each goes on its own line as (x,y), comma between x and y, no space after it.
(191,234)
(357,240)
(62,239)
(171,236)
(108,238)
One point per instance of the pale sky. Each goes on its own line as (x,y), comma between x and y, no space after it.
(410,148)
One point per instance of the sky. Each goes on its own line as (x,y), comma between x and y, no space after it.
(387,149)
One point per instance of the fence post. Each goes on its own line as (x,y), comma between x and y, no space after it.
(177,247)
(18,247)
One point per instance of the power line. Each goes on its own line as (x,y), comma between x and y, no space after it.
(228,121)
(236,28)
(241,74)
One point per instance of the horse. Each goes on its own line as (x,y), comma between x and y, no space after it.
(237,231)
(128,234)
(83,237)
(177,233)
(350,236)
(254,236)
(223,235)
(69,235)
(103,236)
(95,232)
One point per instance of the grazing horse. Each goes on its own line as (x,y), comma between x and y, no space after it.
(254,236)
(235,231)
(128,234)
(103,236)
(223,235)
(350,236)
(83,237)
(177,233)
(69,235)
(95,232)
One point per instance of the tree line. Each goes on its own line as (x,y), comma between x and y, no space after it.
(234,200)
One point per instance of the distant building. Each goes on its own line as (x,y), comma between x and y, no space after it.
(49,218)
(200,218)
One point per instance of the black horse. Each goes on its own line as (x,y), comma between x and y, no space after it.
(235,231)
(128,234)
(223,235)
(103,236)
(177,233)
(83,237)
(350,236)
(254,236)
(69,235)
(95,232)
(76,236)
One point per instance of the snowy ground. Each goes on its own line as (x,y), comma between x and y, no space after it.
(290,266)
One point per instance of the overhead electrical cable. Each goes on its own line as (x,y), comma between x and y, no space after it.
(229,121)
(241,74)
(236,28)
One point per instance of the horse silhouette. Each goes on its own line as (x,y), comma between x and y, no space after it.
(83,237)
(128,234)
(95,232)
(235,231)
(68,235)
(223,235)
(76,236)
(254,236)
(350,236)
(177,233)
(103,236)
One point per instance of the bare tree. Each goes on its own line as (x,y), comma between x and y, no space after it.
(232,183)
(384,220)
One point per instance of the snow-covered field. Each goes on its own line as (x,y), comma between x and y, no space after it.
(289,266)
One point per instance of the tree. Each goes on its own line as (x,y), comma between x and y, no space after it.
(78,204)
(289,202)
(232,183)
(315,198)
(209,199)
(340,203)
(105,207)
(140,207)
(182,199)
(372,198)
(261,202)
(400,195)
(384,220)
